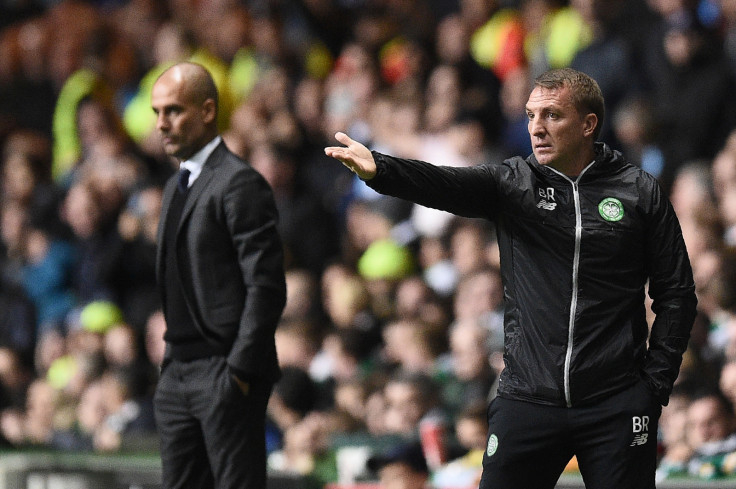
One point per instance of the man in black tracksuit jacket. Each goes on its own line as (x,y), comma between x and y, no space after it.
(581,234)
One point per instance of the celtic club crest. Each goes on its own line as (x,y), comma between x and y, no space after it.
(611,209)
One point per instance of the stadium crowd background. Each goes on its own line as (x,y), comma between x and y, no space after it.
(394,311)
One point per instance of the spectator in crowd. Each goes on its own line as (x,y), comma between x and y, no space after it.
(409,398)
(470,377)
(123,348)
(470,431)
(479,87)
(636,132)
(133,267)
(96,240)
(303,297)
(90,417)
(344,354)
(673,433)
(36,425)
(13,233)
(295,394)
(26,171)
(297,343)
(711,436)
(17,323)
(401,467)
(479,296)
(470,241)
(348,303)
(15,377)
(129,423)
(607,57)
(514,136)
(306,450)
(49,275)
(682,62)
(412,346)
(96,76)
(416,300)
(710,419)
(350,398)
(303,225)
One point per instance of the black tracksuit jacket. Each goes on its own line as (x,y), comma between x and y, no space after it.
(576,258)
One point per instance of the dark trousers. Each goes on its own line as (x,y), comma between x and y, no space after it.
(212,435)
(615,442)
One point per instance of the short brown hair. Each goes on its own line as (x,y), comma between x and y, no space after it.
(586,94)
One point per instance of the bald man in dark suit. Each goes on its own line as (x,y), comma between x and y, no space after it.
(221,277)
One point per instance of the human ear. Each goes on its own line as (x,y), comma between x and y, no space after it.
(209,110)
(589,124)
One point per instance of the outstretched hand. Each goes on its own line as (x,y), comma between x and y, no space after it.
(354,155)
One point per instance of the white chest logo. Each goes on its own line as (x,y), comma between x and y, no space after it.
(547,200)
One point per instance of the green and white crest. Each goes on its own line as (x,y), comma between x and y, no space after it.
(492,445)
(611,209)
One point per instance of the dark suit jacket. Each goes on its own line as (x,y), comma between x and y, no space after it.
(230,260)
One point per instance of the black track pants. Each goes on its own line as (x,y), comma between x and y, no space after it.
(615,442)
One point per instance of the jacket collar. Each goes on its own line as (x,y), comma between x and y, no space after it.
(606,159)
(197,161)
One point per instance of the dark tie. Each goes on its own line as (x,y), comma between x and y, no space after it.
(183,183)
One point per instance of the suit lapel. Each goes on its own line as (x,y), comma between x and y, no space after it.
(208,172)
(201,183)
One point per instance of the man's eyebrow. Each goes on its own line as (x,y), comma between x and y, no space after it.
(539,109)
(546,107)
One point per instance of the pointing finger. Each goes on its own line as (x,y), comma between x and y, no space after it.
(344,138)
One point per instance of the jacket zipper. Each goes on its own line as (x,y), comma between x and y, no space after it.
(575,265)
(574,299)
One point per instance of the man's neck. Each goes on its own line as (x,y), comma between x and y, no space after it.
(573,169)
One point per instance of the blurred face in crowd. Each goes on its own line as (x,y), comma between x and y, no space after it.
(559,132)
(82,210)
(404,407)
(401,476)
(468,347)
(18,178)
(94,125)
(471,433)
(478,294)
(707,421)
(185,119)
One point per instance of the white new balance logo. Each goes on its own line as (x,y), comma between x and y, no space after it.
(640,439)
(640,428)
(550,206)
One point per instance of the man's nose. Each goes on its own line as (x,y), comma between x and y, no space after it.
(536,127)
(162,122)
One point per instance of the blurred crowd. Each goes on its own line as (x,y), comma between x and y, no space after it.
(392,331)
